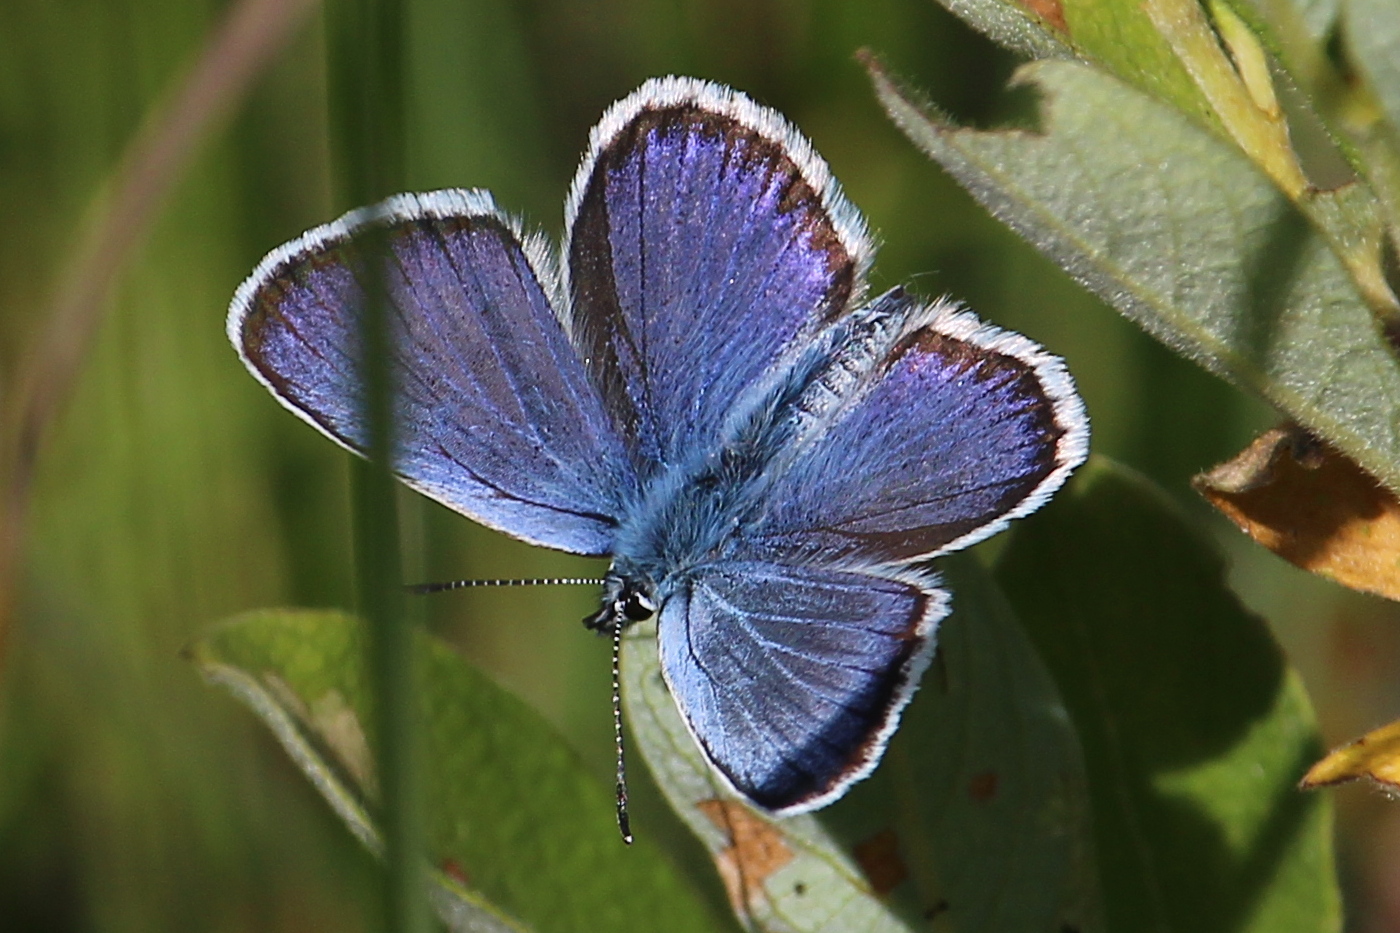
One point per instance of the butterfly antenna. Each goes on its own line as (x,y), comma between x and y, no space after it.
(422,589)
(624,824)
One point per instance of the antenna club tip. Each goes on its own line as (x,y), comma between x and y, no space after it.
(624,825)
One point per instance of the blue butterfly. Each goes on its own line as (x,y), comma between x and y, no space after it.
(699,389)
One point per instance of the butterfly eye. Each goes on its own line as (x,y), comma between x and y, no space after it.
(638,606)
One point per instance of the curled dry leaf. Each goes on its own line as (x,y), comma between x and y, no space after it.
(1313,507)
(1375,756)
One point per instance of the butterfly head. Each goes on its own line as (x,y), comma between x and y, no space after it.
(627,599)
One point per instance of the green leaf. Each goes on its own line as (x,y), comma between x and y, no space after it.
(1165,48)
(1372,33)
(1373,36)
(1116,35)
(520,836)
(1121,37)
(1179,232)
(1017,26)
(1195,730)
(976,818)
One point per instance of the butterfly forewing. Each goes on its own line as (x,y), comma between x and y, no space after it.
(704,236)
(495,414)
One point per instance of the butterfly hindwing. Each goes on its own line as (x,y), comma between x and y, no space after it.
(952,429)
(792,678)
(703,236)
(495,415)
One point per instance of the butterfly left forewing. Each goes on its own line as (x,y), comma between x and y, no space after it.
(944,434)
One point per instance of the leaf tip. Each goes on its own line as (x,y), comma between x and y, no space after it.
(1374,756)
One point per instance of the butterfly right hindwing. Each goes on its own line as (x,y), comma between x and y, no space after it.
(791,677)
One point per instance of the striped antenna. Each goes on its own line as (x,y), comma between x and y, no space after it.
(422,589)
(624,822)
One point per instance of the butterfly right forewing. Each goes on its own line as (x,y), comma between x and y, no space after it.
(703,237)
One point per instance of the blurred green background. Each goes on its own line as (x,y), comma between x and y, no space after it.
(172,491)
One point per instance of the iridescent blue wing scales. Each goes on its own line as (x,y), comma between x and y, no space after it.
(791,678)
(948,429)
(906,431)
(916,431)
(705,239)
(496,416)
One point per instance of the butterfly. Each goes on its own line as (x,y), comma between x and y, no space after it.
(699,389)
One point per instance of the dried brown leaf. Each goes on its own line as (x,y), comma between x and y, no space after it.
(1313,507)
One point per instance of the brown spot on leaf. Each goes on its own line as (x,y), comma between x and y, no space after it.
(1049,12)
(756,850)
(982,787)
(880,862)
(454,870)
(1313,507)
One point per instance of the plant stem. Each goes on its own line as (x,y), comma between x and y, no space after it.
(365,45)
